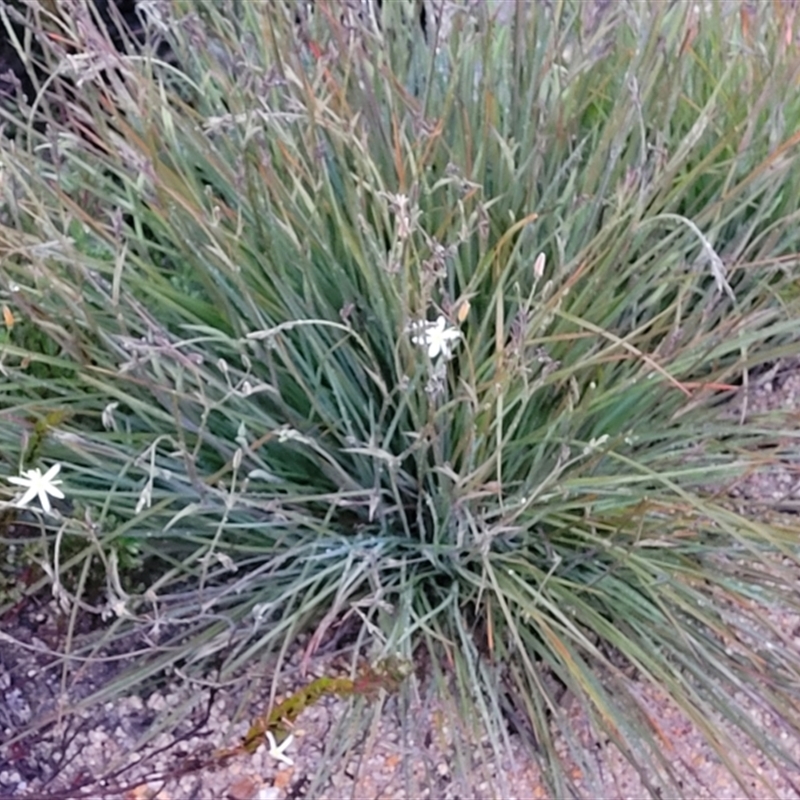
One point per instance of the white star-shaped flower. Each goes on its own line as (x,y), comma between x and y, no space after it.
(278,751)
(38,485)
(437,337)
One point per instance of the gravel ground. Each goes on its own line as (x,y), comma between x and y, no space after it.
(64,757)
(64,760)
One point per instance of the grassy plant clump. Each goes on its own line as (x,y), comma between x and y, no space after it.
(332,323)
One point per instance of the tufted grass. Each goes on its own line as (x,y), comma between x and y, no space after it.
(216,266)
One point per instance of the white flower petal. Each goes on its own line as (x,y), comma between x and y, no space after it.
(44,500)
(28,496)
(55,492)
(51,473)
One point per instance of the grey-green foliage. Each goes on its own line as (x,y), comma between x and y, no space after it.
(239,269)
